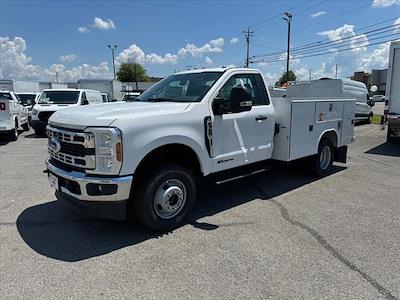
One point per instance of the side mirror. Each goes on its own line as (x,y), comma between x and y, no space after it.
(240,100)
(29,102)
(218,106)
(85,102)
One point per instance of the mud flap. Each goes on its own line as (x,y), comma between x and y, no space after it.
(340,154)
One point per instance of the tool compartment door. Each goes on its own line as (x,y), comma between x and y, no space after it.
(348,122)
(302,135)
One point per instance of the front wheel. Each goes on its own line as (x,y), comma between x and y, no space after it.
(323,160)
(164,197)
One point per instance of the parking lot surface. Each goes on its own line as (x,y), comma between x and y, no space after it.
(280,235)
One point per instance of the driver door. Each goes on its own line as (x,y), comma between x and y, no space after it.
(244,137)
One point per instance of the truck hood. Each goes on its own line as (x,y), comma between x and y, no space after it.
(103,115)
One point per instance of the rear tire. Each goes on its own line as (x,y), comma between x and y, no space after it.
(25,127)
(13,134)
(369,120)
(322,162)
(164,197)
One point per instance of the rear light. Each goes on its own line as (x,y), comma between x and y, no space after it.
(2,106)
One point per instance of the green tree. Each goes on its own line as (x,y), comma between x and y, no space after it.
(132,72)
(283,79)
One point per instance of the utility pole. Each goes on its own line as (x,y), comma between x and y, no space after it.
(248,34)
(135,66)
(57,77)
(309,74)
(288,19)
(336,70)
(112,48)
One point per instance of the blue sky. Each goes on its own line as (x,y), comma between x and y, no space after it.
(39,38)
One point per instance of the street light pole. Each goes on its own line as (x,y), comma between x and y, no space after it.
(288,19)
(113,57)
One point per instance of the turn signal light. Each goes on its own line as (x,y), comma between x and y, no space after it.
(118,151)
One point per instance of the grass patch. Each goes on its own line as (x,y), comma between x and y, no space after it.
(376,119)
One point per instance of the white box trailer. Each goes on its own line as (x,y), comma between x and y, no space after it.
(19,86)
(52,85)
(392,104)
(113,88)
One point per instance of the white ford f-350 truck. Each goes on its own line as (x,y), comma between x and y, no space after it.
(142,158)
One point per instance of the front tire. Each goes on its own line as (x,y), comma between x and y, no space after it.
(164,197)
(39,133)
(322,162)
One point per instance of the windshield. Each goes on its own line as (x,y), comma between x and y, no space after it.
(59,97)
(25,97)
(5,96)
(181,88)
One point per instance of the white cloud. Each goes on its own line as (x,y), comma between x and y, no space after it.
(292,60)
(271,78)
(318,14)
(83,29)
(168,58)
(262,64)
(377,59)
(219,42)
(208,61)
(135,54)
(358,43)
(385,3)
(68,58)
(214,46)
(101,24)
(397,24)
(234,40)
(16,64)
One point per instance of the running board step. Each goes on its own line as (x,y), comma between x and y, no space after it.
(241,176)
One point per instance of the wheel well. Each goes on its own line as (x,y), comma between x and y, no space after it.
(172,153)
(332,136)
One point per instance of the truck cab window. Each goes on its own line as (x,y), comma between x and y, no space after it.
(247,81)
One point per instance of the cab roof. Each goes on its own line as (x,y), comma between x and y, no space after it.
(215,70)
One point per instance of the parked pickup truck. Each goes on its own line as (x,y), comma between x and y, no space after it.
(142,158)
(13,115)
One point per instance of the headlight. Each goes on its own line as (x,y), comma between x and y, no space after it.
(108,147)
(34,111)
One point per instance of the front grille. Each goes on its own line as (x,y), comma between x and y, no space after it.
(45,115)
(76,149)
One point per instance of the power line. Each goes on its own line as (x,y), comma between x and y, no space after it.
(330,52)
(360,28)
(319,45)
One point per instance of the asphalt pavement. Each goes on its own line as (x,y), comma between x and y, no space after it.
(281,235)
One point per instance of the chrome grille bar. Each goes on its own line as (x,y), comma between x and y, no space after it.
(76,138)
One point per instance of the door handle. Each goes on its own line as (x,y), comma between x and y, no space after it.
(261,117)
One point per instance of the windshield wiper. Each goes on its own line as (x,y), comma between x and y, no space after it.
(161,100)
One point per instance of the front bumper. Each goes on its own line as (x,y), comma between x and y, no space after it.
(38,125)
(91,188)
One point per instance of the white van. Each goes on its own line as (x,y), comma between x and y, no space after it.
(13,115)
(52,100)
(337,88)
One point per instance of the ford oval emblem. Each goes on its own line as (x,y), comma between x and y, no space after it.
(54,145)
